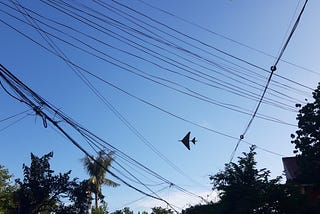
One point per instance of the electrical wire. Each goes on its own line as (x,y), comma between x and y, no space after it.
(215,102)
(17,86)
(140,99)
(198,41)
(226,37)
(273,69)
(14,115)
(7,75)
(139,199)
(13,123)
(109,105)
(273,104)
(51,2)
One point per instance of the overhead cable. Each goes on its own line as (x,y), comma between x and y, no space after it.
(273,69)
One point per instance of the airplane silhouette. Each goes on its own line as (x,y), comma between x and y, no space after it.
(186,140)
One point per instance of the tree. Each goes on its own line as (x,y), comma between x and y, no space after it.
(102,209)
(125,210)
(160,210)
(6,191)
(307,141)
(97,170)
(41,191)
(202,208)
(245,189)
(78,199)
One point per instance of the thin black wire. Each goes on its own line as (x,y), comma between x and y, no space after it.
(221,104)
(120,23)
(132,202)
(137,98)
(193,54)
(291,33)
(135,30)
(273,69)
(14,115)
(84,132)
(104,4)
(288,28)
(87,82)
(13,123)
(251,119)
(180,68)
(224,37)
(95,17)
(199,41)
(221,73)
(55,124)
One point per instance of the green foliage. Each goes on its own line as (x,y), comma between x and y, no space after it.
(6,191)
(125,210)
(199,209)
(245,189)
(41,191)
(160,210)
(97,170)
(307,141)
(102,209)
(79,199)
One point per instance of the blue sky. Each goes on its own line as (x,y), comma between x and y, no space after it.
(189,64)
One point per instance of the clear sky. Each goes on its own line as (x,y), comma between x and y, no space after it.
(178,61)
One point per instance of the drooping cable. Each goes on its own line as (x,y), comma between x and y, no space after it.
(273,69)
(137,98)
(150,5)
(194,92)
(3,74)
(199,41)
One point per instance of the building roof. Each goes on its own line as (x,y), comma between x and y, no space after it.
(290,167)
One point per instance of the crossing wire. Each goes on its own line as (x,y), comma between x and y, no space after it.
(15,84)
(201,42)
(55,5)
(137,98)
(225,37)
(273,69)
(105,101)
(209,100)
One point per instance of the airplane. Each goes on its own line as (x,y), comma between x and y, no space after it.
(186,140)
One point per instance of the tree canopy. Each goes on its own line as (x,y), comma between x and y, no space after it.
(245,189)
(307,141)
(6,190)
(160,210)
(41,191)
(97,169)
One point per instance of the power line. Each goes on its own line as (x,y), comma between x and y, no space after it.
(283,95)
(13,123)
(7,75)
(139,199)
(273,69)
(195,94)
(135,97)
(131,29)
(39,105)
(223,36)
(14,115)
(199,41)
(107,103)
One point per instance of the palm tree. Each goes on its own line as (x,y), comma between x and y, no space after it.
(97,170)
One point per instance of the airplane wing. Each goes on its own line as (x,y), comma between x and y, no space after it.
(186,140)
